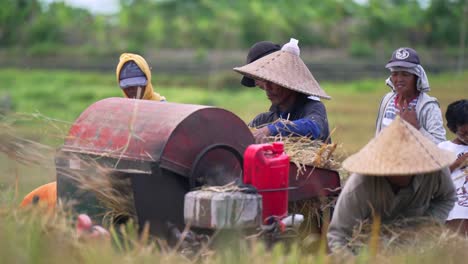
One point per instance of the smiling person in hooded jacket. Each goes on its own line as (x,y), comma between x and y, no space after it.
(408,98)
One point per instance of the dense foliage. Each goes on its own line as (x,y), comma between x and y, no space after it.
(43,27)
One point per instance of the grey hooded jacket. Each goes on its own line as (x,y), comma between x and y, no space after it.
(428,114)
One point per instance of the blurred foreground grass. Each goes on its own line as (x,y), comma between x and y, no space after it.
(46,103)
(29,236)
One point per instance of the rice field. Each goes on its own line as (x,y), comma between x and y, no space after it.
(44,105)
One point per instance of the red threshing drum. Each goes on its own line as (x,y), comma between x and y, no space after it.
(176,146)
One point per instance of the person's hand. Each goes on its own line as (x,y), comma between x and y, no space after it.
(261,134)
(459,162)
(408,114)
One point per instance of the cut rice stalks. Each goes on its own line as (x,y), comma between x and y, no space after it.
(303,151)
(402,234)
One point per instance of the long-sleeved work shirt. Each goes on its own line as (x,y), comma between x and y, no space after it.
(431,194)
(308,118)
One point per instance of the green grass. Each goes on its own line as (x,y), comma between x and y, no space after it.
(63,95)
(46,97)
(47,102)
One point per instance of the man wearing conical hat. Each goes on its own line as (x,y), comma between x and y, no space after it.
(293,91)
(398,174)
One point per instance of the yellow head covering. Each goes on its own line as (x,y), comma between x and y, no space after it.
(141,62)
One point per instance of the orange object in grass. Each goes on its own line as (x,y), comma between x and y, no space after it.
(43,196)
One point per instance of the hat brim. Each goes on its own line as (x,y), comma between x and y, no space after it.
(398,150)
(403,64)
(132,82)
(286,70)
(247,81)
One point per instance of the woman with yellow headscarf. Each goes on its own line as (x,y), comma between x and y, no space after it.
(134,77)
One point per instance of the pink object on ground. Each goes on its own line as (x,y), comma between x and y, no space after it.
(85,227)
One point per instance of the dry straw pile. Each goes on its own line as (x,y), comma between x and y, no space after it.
(303,151)
(401,235)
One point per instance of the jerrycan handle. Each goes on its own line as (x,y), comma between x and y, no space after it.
(275,148)
(278,147)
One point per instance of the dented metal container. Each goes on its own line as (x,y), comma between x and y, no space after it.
(222,210)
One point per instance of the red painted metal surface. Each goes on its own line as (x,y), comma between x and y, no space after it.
(312,182)
(266,167)
(167,133)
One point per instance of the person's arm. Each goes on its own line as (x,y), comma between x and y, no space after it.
(301,127)
(459,162)
(260,123)
(351,208)
(431,121)
(260,120)
(314,123)
(444,199)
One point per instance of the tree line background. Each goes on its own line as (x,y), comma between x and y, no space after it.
(208,34)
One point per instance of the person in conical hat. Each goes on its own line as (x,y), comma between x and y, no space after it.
(409,97)
(292,89)
(399,174)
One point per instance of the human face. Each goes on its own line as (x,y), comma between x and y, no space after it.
(462,134)
(134,92)
(400,180)
(277,94)
(404,83)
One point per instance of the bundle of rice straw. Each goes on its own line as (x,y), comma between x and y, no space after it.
(303,151)
(229,187)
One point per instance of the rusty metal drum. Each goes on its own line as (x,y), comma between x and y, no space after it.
(165,149)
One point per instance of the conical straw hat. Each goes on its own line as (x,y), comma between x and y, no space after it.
(398,150)
(285,68)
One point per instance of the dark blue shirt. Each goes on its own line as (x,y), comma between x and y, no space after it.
(309,118)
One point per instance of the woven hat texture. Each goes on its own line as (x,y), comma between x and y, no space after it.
(399,149)
(285,69)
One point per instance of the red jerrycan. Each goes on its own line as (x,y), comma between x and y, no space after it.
(266,167)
